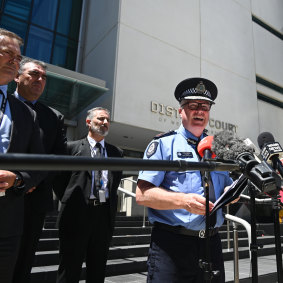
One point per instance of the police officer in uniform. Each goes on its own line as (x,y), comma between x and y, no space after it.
(175,200)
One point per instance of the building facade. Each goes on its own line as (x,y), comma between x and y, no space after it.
(129,55)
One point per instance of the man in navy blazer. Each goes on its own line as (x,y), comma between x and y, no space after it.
(31,81)
(89,205)
(19,133)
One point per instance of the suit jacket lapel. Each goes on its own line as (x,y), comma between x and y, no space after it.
(110,174)
(14,110)
(85,150)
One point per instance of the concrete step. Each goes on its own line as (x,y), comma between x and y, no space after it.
(129,248)
(118,231)
(47,274)
(125,240)
(45,258)
(52,225)
(115,267)
(132,236)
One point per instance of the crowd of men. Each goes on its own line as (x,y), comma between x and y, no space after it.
(89,198)
(175,200)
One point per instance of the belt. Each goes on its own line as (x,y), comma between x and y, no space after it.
(96,202)
(184,231)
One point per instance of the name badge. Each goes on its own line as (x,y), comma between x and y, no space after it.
(101,194)
(185,154)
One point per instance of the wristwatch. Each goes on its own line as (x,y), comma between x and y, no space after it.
(18,181)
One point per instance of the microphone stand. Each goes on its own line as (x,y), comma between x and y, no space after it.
(206,264)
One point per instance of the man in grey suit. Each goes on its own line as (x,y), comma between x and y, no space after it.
(89,205)
(19,133)
(31,81)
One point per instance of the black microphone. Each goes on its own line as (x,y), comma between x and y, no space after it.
(270,150)
(227,145)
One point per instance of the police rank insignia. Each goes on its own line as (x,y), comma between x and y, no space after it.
(152,149)
(192,141)
(185,154)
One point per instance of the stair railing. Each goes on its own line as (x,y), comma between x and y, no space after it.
(133,195)
(235,221)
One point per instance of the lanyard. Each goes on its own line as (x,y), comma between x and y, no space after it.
(3,106)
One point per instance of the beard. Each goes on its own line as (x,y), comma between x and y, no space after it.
(99,130)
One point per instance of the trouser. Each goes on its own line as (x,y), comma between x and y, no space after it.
(90,241)
(33,224)
(9,247)
(174,258)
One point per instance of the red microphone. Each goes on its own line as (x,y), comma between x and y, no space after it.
(205,145)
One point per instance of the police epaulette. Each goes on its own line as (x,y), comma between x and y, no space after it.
(162,135)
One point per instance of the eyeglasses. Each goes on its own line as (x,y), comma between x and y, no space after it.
(11,55)
(197,106)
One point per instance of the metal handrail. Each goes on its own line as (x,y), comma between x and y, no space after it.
(258,200)
(133,195)
(236,220)
(243,222)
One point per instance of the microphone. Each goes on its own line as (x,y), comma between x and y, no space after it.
(257,155)
(227,145)
(204,148)
(271,150)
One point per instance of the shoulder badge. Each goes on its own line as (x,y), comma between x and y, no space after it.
(161,135)
(152,149)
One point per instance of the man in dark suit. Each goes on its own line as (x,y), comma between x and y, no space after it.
(89,205)
(19,133)
(31,80)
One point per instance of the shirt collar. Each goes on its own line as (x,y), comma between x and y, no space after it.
(93,142)
(17,95)
(4,89)
(188,135)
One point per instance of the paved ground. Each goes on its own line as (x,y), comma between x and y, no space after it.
(266,264)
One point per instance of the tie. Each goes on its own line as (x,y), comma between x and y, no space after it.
(98,173)
(31,105)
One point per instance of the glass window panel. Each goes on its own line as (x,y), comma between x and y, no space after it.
(69,96)
(14,25)
(39,44)
(44,13)
(69,18)
(18,8)
(65,53)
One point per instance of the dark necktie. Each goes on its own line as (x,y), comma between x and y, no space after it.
(98,173)
(31,105)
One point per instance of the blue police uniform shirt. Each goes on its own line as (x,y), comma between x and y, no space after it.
(6,123)
(174,146)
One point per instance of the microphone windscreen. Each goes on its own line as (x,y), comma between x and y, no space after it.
(265,138)
(205,143)
(227,145)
